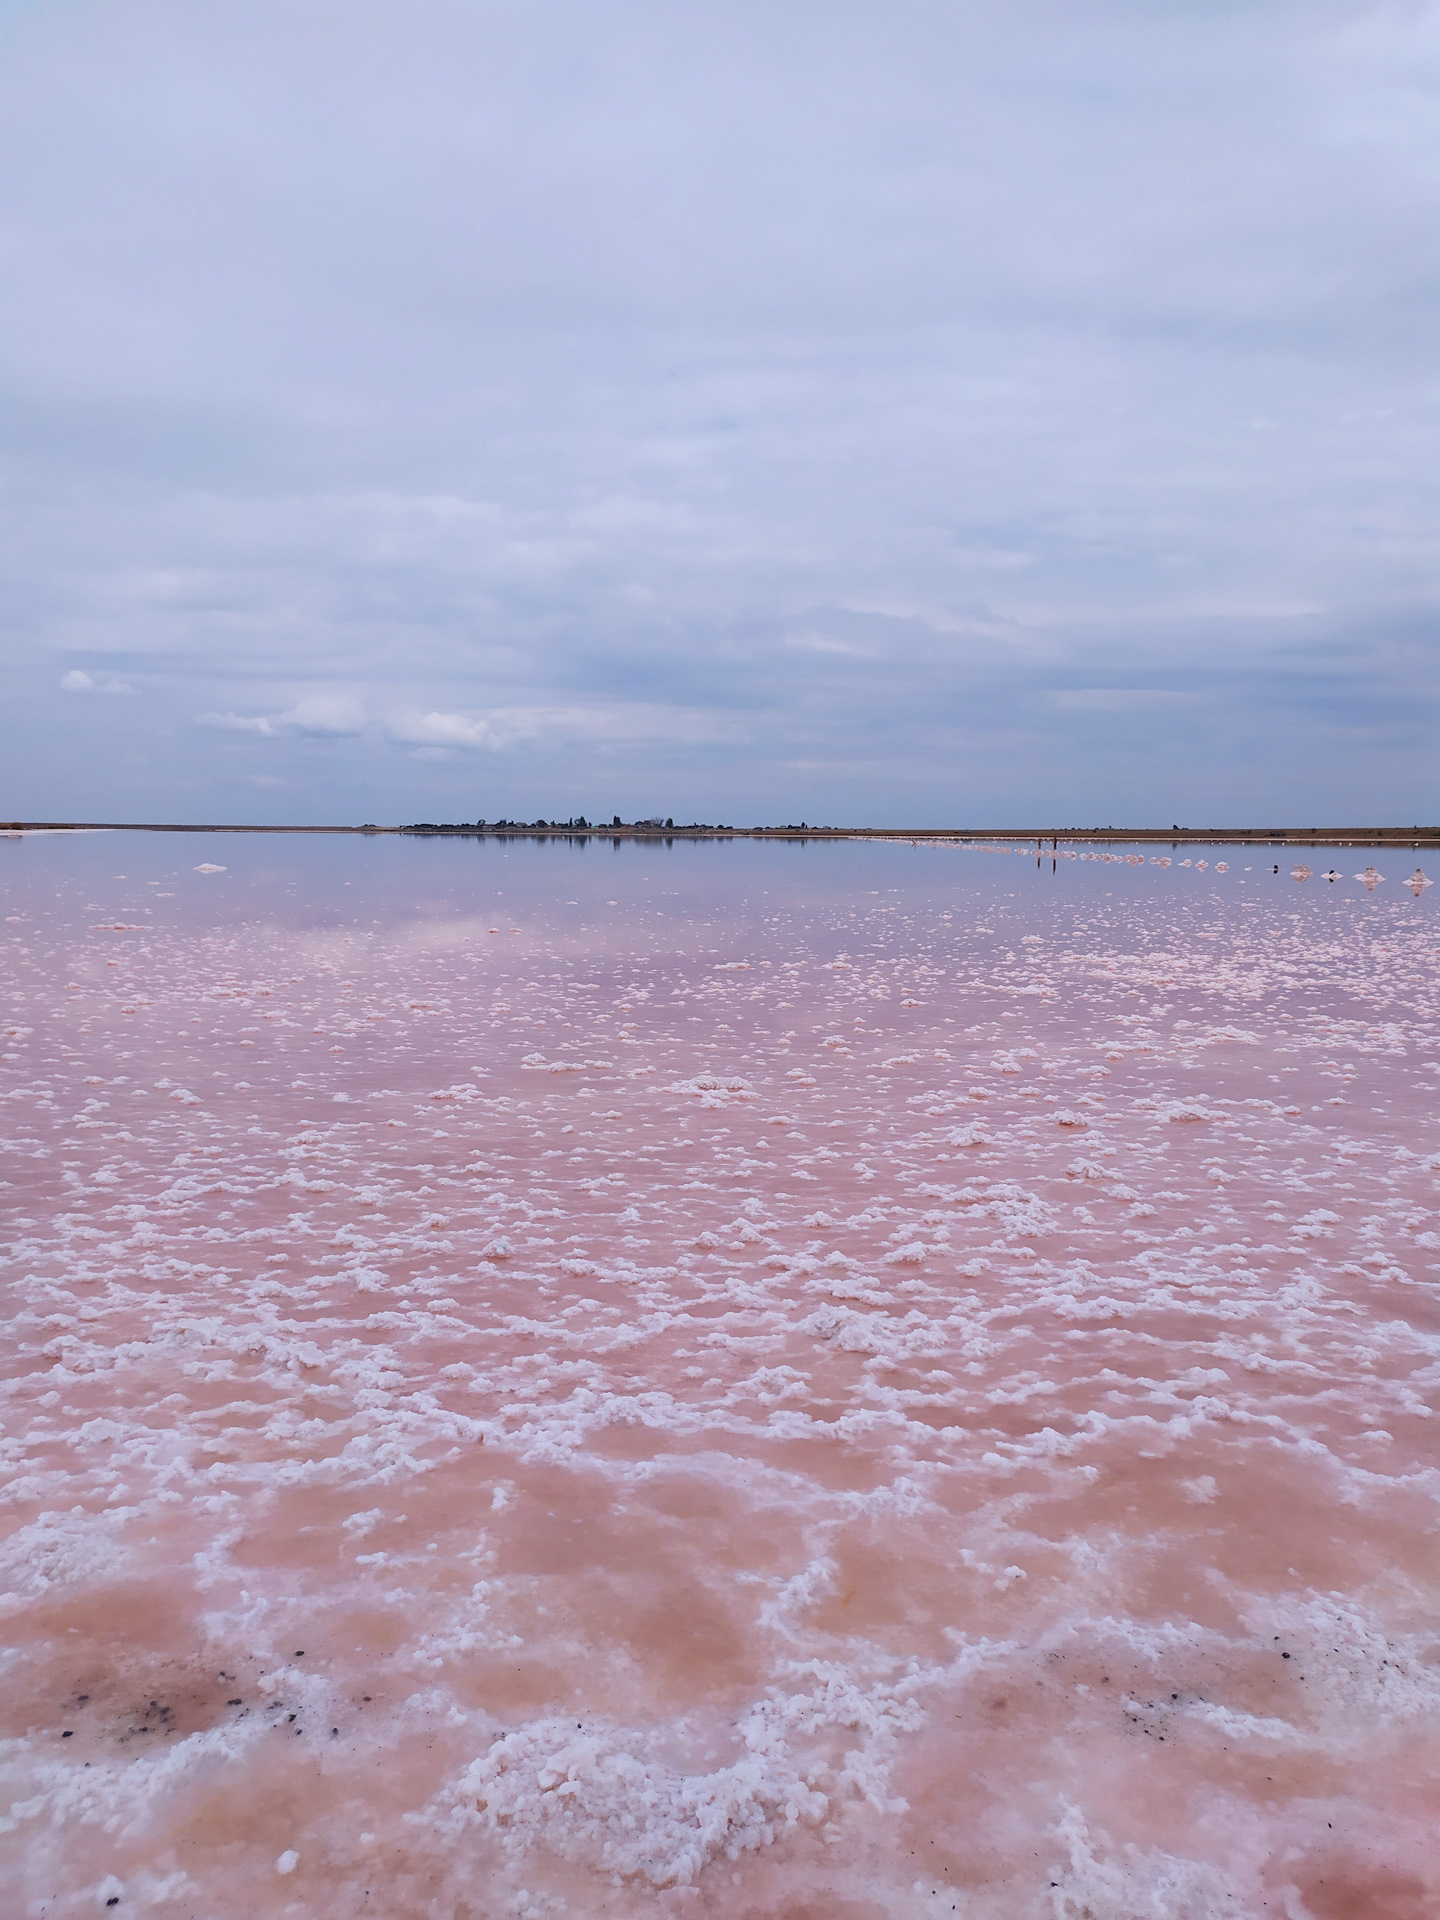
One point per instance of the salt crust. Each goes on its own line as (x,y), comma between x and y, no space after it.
(609,1797)
(1276,1358)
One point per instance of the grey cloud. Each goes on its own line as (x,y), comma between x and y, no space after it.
(860,412)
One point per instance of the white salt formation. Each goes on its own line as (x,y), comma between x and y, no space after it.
(813,1402)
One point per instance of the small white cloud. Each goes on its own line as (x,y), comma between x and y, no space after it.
(993,559)
(824,643)
(321,716)
(601,725)
(1116,699)
(77,681)
(928,613)
(448,730)
(325,715)
(236,723)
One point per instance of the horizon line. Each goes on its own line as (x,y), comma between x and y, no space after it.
(655,830)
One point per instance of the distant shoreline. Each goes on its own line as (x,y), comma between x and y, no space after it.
(1276,837)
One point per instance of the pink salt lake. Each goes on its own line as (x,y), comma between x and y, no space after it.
(832,1382)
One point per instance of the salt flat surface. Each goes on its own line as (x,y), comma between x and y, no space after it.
(834,1383)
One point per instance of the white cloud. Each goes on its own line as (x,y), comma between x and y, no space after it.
(236,723)
(325,715)
(1117,699)
(613,723)
(993,559)
(321,716)
(449,730)
(824,643)
(77,681)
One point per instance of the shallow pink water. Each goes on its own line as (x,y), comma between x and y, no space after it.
(832,1400)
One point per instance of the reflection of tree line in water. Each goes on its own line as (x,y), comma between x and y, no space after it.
(1022,840)
(581,828)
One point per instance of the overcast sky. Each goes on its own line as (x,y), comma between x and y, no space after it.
(908,413)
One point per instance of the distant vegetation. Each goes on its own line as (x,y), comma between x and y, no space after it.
(577,824)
